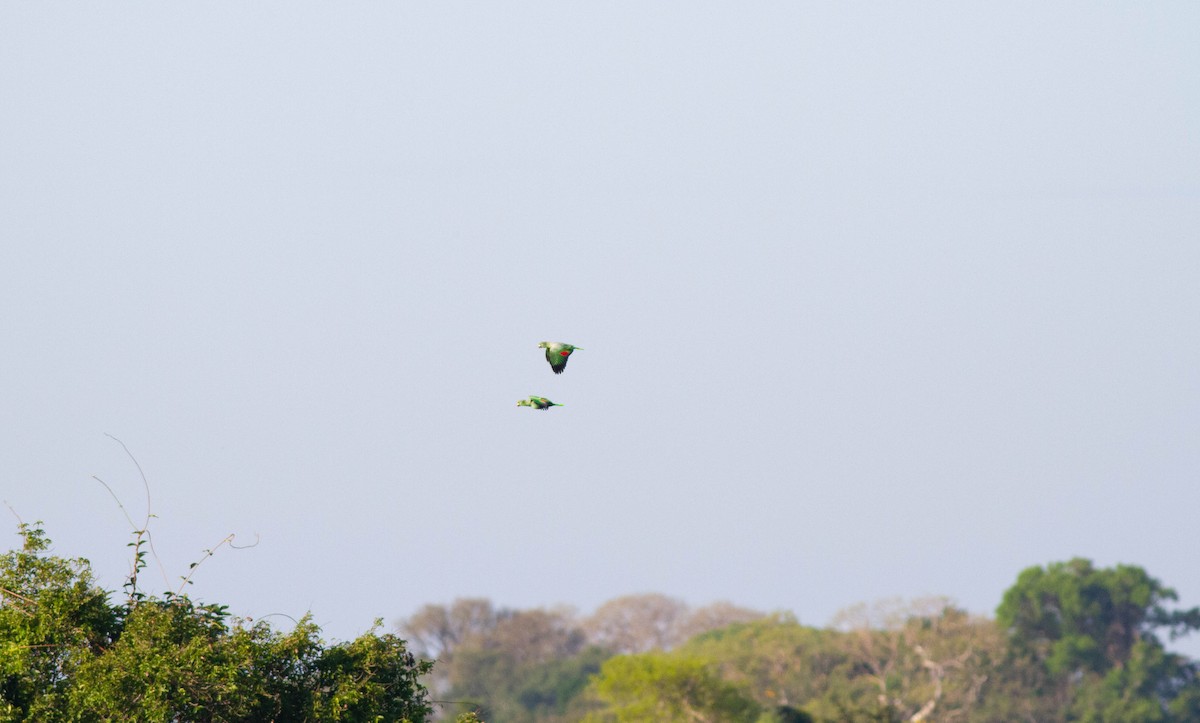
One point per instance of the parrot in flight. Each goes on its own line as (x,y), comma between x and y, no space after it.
(538,403)
(557,354)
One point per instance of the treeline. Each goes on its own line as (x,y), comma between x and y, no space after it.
(68,652)
(1069,642)
(536,665)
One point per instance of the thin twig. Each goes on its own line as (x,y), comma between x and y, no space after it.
(145,531)
(14,513)
(19,596)
(145,482)
(118,501)
(245,547)
(145,525)
(207,554)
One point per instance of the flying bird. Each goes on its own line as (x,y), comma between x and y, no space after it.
(557,354)
(538,403)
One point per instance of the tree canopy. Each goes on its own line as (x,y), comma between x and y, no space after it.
(67,653)
(1095,635)
(1070,642)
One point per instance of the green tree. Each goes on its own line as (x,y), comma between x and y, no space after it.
(533,666)
(530,666)
(53,618)
(67,653)
(1095,635)
(779,661)
(666,688)
(553,691)
(171,660)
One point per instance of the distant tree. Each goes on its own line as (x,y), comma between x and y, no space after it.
(893,661)
(536,636)
(669,688)
(1095,634)
(555,691)
(527,668)
(436,630)
(778,660)
(925,659)
(638,623)
(712,617)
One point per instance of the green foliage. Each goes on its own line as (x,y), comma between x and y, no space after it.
(927,660)
(171,659)
(667,687)
(516,689)
(68,654)
(1071,642)
(1073,616)
(529,666)
(554,688)
(371,677)
(52,619)
(891,662)
(1094,633)
(780,661)
(533,666)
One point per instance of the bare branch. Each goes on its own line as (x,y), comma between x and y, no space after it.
(14,513)
(18,596)
(145,528)
(118,501)
(145,482)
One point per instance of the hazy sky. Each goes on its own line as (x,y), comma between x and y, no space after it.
(875,299)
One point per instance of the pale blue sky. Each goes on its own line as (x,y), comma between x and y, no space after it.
(875,299)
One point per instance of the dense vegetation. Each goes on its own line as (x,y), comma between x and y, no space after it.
(67,653)
(1070,642)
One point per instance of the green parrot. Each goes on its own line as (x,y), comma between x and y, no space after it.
(538,403)
(557,354)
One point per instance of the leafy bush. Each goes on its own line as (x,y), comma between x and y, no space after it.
(68,653)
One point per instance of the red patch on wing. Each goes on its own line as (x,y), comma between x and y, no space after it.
(565,353)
